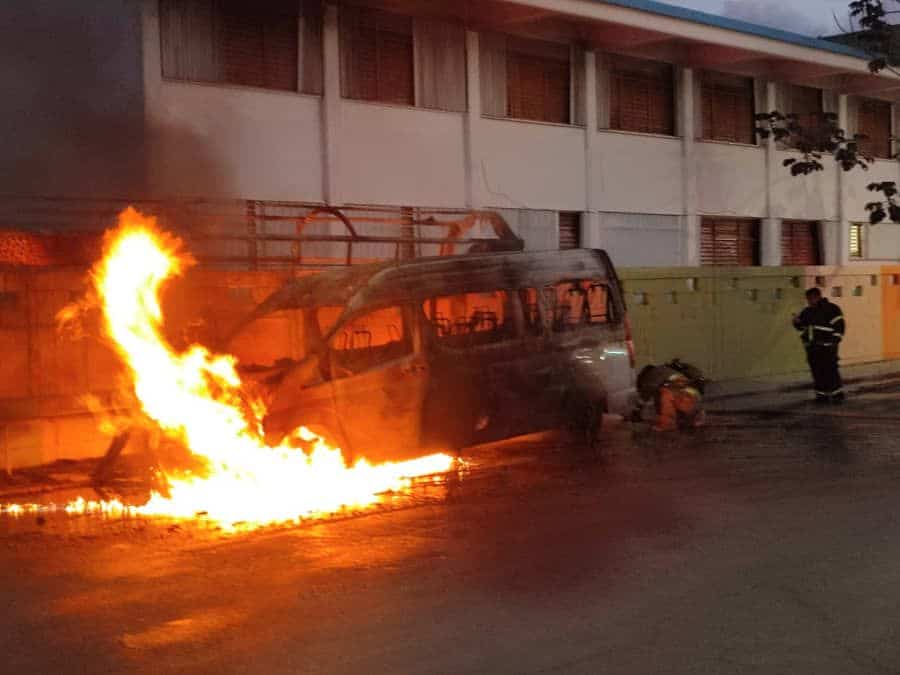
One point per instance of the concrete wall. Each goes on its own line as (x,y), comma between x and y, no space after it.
(71,120)
(736,322)
(890,307)
(730,321)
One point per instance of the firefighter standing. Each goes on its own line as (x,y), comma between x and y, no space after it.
(676,388)
(821,327)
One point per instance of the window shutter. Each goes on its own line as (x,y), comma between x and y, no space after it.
(800,243)
(440,58)
(569,229)
(376,56)
(260,44)
(311,67)
(727,108)
(232,42)
(729,241)
(538,80)
(578,106)
(808,105)
(188,41)
(492,67)
(873,119)
(642,96)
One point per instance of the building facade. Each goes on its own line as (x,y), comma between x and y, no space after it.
(621,124)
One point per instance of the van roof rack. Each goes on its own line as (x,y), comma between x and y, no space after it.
(256,234)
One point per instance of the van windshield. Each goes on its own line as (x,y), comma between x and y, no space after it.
(270,341)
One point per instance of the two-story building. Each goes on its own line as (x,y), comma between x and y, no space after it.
(623,124)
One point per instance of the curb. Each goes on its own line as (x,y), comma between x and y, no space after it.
(853,382)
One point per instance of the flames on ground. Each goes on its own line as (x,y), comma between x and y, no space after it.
(197,398)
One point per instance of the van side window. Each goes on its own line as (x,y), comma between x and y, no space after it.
(470,319)
(368,341)
(579,303)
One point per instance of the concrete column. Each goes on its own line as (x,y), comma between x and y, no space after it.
(686,123)
(591,233)
(331,107)
(770,231)
(590,127)
(770,242)
(836,234)
(472,122)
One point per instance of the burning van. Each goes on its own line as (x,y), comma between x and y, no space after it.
(403,357)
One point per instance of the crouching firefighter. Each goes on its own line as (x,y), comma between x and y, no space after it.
(821,327)
(676,389)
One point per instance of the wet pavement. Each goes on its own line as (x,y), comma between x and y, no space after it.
(767,542)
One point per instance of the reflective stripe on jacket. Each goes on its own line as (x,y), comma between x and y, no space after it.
(821,325)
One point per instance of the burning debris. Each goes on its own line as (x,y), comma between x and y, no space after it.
(197,399)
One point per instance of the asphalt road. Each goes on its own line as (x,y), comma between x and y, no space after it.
(767,542)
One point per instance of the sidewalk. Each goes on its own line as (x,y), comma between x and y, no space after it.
(730,395)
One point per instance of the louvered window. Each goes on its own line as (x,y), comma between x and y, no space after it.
(531,79)
(806,104)
(856,240)
(800,243)
(391,58)
(729,241)
(641,96)
(234,42)
(538,80)
(874,121)
(569,229)
(376,56)
(727,108)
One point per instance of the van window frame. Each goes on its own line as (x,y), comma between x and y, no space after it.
(613,305)
(409,327)
(515,305)
(544,316)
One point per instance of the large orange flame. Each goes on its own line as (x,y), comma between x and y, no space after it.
(197,398)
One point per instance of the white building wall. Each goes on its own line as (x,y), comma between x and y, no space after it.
(857,193)
(637,173)
(731,179)
(641,195)
(530,165)
(397,155)
(224,141)
(812,197)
